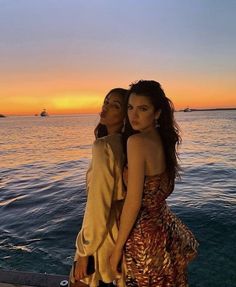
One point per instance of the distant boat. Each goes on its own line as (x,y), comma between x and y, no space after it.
(187,110)
(2,116)
(44,113)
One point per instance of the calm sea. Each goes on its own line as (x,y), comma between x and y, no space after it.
(43,162)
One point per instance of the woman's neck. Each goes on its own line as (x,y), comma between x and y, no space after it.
(114,130)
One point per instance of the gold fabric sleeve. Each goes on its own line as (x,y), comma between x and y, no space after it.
(99,200)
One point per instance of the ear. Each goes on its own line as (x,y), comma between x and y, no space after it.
(157,114)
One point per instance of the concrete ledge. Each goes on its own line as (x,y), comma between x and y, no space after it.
(30,279)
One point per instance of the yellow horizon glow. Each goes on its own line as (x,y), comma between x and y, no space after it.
(52,93)
(68,103)
(89,103)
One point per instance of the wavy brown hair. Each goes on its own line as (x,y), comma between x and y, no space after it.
(168,128)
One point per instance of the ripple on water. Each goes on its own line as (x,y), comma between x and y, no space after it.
(42,182)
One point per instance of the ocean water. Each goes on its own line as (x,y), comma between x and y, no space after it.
(43,162)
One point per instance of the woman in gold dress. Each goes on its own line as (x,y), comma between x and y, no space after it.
(105,195)
(156,244)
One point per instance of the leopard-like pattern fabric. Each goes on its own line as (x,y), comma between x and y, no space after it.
(159,246)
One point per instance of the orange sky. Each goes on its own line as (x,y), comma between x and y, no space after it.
(65,95)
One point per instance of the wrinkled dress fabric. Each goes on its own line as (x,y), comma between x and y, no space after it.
(105,195)
(159,246)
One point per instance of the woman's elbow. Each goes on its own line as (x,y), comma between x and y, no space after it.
(133,205)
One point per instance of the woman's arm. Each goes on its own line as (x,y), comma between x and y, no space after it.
(133,200)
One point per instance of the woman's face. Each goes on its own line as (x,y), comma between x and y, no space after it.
(141,113)
(113,110)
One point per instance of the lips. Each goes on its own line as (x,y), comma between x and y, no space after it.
(102,114)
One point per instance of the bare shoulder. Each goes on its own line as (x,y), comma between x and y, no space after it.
(136,140)
(146,147)
(135,144)
(139,141)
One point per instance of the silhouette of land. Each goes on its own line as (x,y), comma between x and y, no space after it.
(216,109)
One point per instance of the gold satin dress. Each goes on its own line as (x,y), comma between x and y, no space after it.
(105,195)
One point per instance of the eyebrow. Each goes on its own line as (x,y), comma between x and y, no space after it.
(144,105)
(116,101)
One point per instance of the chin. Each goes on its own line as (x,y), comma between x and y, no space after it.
(102,121)
(135,127)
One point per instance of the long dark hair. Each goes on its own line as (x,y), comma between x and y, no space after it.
(168,128)
(101,130)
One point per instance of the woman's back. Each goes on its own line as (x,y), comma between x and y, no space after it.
(153,153)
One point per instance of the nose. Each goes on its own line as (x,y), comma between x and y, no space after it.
(133,115)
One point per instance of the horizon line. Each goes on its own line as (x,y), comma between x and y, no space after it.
(91,113)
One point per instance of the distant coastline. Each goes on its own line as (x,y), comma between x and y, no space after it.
(216,109)
(86,114)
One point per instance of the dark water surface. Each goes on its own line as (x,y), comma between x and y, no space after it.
(43,162)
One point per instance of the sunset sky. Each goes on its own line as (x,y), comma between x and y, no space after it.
(64,55)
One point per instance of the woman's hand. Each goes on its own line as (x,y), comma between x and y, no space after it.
(80,268)
(115,259)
